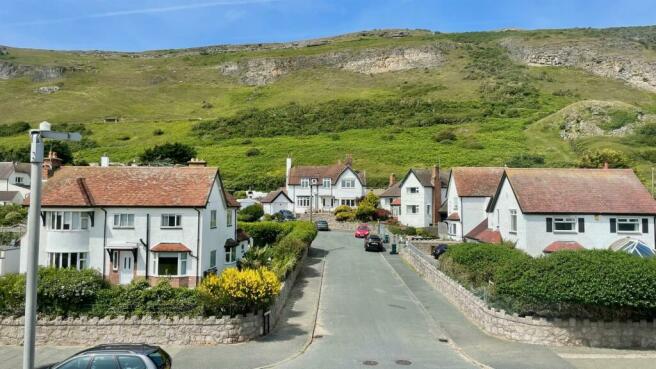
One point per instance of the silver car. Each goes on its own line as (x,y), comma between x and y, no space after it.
(119,356)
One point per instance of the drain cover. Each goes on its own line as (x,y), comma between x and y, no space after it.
(370,362)
(403,362)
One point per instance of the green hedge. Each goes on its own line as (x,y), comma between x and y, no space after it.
(592,284)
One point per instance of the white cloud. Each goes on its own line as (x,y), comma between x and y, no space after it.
(164,9)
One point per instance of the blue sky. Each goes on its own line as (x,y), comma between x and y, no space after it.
(132,25)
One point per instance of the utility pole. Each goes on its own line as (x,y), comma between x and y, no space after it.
(36,161)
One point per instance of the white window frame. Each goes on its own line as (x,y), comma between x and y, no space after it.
(303,201)
(428,209)
(123,221)
(327,182)
(347,202)
(55,259)
(305,182)
(565,220)
(115,260)
(229,218)
(513,220)
(412,190)
(19,180)
(213,259)
(60,220)
(177,221)
(183,261)
(231,255)
(636,222)
(348,183)
(412,209)
(213,219)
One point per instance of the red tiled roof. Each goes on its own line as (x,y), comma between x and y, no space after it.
(129,186)
(583,191)
(232,201)
(483,234)
(319,171)
(562,245)
(396,202)
(477,181)
(453,216)
(271,196)
(170,247)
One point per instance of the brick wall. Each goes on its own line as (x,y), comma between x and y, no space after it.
(557,332)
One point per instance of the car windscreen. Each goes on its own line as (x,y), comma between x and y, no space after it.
(374,238)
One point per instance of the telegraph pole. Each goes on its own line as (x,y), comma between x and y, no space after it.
(36,161)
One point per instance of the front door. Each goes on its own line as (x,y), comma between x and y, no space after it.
(126,267)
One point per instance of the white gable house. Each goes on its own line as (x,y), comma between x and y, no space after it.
(150,222)
(323,188)
(421,193)
(547,210)
(275,201)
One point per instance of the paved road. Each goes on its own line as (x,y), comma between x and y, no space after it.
(373,311)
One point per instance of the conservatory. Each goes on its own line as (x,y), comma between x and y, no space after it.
(633,247)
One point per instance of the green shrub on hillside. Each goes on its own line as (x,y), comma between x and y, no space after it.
(598,158)
(173,153)
(525,161)
(12,129)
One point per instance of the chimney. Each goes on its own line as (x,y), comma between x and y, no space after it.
(392,180)
(195,162)
(104,160)
(349,160)
(605,165)
(437,194)
(364,177)
(51,164)
(288,169)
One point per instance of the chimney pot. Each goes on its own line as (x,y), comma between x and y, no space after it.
(104,161)
(392,180)
(195,162)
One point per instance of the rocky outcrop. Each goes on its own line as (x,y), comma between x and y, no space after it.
(597,118)
(611,58)
(261,71)
(10,70)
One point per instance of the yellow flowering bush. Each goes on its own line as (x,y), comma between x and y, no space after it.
(238,292)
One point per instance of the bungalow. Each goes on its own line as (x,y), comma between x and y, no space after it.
(469,192)
(390,199)
(420,202)
(324,187)
(127,222)
(10,197)
(275,201)
(546,210)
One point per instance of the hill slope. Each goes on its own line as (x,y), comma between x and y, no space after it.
(385,96)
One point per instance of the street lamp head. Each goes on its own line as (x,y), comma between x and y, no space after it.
(44,126)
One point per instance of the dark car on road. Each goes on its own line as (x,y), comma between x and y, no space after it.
(373,243)
(117,356)
(286,215)
(322,225)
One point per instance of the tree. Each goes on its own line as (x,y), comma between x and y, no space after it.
(370,199)
(598,158)
(174,153)
(251,213)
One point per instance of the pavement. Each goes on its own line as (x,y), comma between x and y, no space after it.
(357,309)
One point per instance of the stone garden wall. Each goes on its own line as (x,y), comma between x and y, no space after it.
(164,331)
(557,332)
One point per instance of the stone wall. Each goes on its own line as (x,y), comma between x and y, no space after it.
(557,332)
(164,331)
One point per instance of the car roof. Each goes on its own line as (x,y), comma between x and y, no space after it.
(374,236)
(136,348)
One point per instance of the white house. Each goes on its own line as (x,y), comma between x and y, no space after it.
(469,192)
(324,187)
(390,199)
(9,259)
(128,222)
(419,201)
(275,201)
(14,182)
(546,210)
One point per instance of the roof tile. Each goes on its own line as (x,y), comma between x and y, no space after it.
(477,181)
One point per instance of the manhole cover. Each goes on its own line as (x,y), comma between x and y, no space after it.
(370,362)
(403,362)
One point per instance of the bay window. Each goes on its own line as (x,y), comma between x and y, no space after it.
(303,201)
(231,255)
(67,220)
(171,263)
(348,202)
(73,260)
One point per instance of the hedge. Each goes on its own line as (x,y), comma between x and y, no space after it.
(586,284)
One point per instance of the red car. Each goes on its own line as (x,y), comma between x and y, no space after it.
(362,231)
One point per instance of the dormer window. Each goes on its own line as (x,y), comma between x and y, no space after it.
(305,182)
(19,180)
(326,183)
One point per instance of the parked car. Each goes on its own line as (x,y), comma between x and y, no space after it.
(362,231)
(287,215)
(117,356)
(439,250)
(322,225)
(373,243)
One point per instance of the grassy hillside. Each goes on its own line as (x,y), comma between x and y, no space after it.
(336,96)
